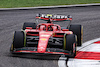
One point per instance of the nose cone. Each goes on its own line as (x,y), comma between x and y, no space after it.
(41,50)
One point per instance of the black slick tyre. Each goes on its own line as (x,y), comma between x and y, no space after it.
(26,24)
(19,39)
(70,44)
(77,30)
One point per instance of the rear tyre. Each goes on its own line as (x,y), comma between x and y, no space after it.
(70,44)
(18,40)
(77,30)
(33,25)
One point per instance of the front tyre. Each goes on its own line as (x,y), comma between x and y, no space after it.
(19,40)
(70,44)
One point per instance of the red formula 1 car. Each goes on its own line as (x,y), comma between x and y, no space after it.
(48,38)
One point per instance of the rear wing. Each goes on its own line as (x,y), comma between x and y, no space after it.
(53,17)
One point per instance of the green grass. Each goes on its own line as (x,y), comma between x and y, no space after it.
(35,3)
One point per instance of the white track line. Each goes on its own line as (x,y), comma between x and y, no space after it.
(83,63)
(92,48)
(62,60)
(87,43)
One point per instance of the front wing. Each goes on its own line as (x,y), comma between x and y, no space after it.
(33,50)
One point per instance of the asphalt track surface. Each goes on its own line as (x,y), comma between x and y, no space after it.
(13,20)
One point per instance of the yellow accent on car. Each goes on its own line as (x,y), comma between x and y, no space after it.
(12,47)
(20,51)
(43,39)
(49,14)
(65,41)
(41,50)
(71,32)
(81,34)
(53,34)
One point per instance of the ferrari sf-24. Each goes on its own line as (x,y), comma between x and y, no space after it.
(48,38)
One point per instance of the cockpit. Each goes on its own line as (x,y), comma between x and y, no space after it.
(48,27)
